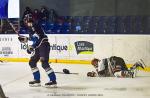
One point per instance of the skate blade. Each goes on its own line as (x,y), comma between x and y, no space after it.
(51,86)
(142,63)
(34,85)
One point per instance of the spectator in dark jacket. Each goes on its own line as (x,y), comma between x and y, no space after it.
(53,15)
(44,14)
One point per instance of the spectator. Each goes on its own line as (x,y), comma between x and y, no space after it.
(44,14)
(27,14)
(36,15)
(53,15)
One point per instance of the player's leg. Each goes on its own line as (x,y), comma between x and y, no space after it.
(49,71)
(44,58)
(139,63)
(35,71)
(122,73)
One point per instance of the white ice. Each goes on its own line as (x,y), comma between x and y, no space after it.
(14,78)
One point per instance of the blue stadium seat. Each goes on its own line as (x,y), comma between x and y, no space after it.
(148,25)
(98,25)
(111,25)
(102,25)
(77,19)
(77,25)
(138,24)
(128,24)
(120,25)
(65,28)
(87,19)
(45,26)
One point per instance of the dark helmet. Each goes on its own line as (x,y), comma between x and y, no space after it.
(28,18)
(28,8)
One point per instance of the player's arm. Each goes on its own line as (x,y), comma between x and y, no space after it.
(34,38)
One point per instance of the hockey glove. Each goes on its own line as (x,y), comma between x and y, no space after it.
(66,71)
(91,74)
(23,39)
(30,49)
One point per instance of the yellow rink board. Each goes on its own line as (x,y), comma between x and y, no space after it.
(84,62)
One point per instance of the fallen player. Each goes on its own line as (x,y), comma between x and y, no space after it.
(114,67)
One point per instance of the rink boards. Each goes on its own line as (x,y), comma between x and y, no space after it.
(80,49)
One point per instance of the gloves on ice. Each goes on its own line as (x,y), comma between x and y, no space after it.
(91,74)
(66,71)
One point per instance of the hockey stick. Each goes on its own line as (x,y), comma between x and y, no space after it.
(2,61)
(67,73)
(143,62)
(13,27)
(17,32)
(2,94)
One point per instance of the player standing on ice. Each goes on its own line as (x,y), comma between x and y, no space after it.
(114,67)
(40,50)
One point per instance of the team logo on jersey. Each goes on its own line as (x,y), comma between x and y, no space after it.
(84,47)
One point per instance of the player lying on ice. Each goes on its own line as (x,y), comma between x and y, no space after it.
(114,67)
(40,50)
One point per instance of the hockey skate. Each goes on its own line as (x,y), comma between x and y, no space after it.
(133,73)
(140,63)
(128,74)
(35,83)
(50,84)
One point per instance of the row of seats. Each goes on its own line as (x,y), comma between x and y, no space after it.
(98,25)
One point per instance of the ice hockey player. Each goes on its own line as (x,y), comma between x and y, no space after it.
(114,67)
(40,50)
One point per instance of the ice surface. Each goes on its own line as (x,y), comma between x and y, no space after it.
(14,78)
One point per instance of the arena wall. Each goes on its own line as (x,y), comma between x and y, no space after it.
(64,50)
(91,7)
